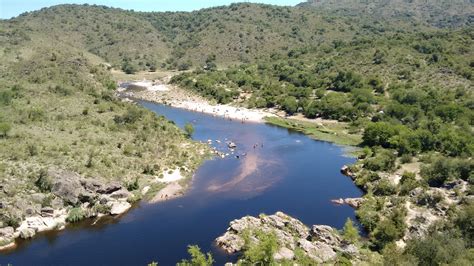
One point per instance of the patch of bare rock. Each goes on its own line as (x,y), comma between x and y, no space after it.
(321,243)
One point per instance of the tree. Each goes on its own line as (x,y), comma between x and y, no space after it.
(128,67)
(379,134)
(197,258)
(436,249)
(350,232)
(5,128)
(346,81)
(189,129)
(290,105)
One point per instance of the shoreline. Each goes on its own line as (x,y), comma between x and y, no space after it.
(164,93)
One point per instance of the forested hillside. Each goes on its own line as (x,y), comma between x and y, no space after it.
(440,14)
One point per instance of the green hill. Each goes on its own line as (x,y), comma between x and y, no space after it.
(443,13)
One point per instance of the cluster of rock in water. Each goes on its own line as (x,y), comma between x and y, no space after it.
(321,243)
(67,189)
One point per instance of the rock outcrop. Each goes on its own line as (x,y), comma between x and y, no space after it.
(42,211)
(320,243)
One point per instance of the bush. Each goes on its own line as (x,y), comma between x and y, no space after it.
(350,232)
(189,129)
(131,186)
(408,183)
(443,169)
(197,258)
(465,223)
(261,252)
(389,229)
(290,105)
(384,188)
(12,221)
(436,249)
(75,215)
(384,160)
(128,67)
(5,129)
(43,182)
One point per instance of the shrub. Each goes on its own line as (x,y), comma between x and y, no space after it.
(260,252)
(443,169)
(384,188)
(189,129)
(43,182)
(408,183)
(384,160)
(75,215)
(389,229)
(102,208)
(197,258)
(12,221)
(131,186)
(436,249)
(350,232)
(406,158)
(5,129)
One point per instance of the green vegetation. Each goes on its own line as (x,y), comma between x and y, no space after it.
(75,215)
(350,232)
(189,129)
(326,131)
(197,258)
(260,252)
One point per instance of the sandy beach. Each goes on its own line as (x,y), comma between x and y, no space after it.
(162,92)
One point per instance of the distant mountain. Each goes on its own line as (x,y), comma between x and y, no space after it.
(239,33)
(439,13)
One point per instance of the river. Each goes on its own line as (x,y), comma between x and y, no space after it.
(277,170)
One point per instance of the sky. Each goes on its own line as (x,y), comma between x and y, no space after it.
(12,8)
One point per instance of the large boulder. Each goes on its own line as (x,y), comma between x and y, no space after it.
(119,207)
(110,188)
(91,185)
(325,234)
(121,194)
(230,242)
(66,185)
(318,251)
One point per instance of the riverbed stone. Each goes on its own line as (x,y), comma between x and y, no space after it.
(119,207)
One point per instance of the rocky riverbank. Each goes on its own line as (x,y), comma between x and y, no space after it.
(68,197)
(161,92)
(321,244)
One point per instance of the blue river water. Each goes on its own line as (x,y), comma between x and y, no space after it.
(277,170)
